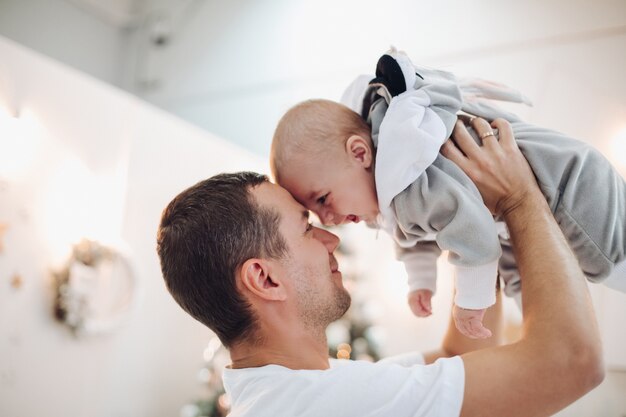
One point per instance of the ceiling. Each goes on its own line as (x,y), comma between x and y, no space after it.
(233,67)
(121,13)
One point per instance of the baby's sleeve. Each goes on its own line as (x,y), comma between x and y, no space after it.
(420,262)
(446,203)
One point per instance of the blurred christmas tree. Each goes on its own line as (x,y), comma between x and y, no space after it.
(215,402)
(354,336)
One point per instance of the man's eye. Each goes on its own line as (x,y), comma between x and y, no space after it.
(322,199)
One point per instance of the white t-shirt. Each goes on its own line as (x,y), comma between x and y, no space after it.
(398,387)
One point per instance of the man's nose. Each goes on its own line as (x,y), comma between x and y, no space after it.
(330,240)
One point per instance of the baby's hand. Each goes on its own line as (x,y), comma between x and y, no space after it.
(470,322)
(419,301)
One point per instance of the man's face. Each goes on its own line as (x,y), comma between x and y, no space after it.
(310,267)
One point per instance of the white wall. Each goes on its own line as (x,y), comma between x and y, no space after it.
(149,366)
(250,61)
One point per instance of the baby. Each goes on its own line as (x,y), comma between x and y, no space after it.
(379,163)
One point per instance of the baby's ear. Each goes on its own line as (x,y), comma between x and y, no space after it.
(359,150)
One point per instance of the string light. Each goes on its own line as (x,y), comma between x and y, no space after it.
(20,141)
(343,351)
(344,346)
(343,354)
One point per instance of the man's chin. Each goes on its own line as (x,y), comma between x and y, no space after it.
(343,302)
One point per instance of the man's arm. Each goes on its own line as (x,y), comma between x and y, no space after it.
(558,359)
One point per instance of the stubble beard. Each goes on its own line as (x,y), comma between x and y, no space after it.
(317,310)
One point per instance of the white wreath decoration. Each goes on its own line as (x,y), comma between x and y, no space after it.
(95,290)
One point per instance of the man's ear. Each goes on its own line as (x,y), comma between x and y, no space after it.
(256,276)
(359,150)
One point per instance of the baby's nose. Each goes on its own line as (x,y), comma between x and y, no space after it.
(328,218)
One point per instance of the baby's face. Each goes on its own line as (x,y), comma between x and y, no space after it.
(337,190)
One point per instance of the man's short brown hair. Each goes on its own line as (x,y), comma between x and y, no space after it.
(206,234)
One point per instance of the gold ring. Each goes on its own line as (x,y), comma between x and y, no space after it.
(486,135)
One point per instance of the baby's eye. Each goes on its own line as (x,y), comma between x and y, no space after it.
(322,200)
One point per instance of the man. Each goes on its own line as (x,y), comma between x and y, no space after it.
(239,254)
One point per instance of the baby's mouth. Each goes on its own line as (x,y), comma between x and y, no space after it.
(353,218)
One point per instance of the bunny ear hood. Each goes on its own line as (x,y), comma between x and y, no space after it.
(412,111)
(395,72)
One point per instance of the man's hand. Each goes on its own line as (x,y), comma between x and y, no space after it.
(419,301)
(470,322)
(498,168)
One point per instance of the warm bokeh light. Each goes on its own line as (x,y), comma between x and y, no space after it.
(343,354)
(345,346)
(212,347)
(80,204)
(20,140)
